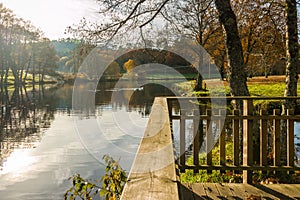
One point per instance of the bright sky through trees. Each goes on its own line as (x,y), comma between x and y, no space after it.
(53,16)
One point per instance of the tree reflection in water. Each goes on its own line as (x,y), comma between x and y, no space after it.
(23,117)
(26,113)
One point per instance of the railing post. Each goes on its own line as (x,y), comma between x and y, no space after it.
(276,138)
(248,141)
(169,102)
(263,139)
(290,139)
(182,140)
(222,141)
(236,140)
(209,140)
(196,142)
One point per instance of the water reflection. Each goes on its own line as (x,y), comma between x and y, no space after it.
(117,118)
(22,121)
(39,148)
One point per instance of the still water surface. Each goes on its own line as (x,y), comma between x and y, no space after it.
(43,143)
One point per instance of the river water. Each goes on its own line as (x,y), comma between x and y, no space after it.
(43,142)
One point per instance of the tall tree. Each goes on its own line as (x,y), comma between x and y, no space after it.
(261,28)
(236,66)
(18,52)
(198,19)
(292,53)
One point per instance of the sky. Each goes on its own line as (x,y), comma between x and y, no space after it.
(53,16)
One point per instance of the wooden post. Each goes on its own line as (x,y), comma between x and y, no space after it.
(276,138)
(222,141)
(209,140)
(247,141)
(196,142)
(236,140)
(290,139)
(182,140)
(170,109)
(263,139)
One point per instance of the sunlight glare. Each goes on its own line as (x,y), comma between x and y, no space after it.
(18,162)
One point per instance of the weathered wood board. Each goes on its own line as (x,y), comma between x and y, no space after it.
(153,174)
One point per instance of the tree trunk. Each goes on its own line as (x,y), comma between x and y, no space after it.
(199,80)
(199,83)
(236,72)
(292,54)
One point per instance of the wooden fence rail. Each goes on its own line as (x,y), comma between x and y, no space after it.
(243,127)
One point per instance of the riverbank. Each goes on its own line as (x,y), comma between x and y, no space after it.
(258,86)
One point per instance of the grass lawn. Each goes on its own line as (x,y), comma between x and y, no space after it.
(258,86)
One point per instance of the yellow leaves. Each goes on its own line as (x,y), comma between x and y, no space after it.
(129,65)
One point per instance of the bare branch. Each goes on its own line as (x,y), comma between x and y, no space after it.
(155,14)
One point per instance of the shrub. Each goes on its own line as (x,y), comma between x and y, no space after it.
(113,182)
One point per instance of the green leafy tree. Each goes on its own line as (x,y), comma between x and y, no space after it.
(22,48)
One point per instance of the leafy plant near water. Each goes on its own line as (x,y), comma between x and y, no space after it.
(110,186)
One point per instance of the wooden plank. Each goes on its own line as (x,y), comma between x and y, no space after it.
(222,140)
(224,190)
(182,140)
(236,141)
(247,140)
(153,174)
(196,140)
(290,139)
(251,190)
(209,140)
(276,138)
(273,192)
(211,190)
(241,117)
(242,191)
(237,190)
(292,190)
(241,167)
(232,98)
(263,140)
(199,190)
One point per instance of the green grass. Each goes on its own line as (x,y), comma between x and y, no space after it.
(267,89)
(216,176)
(29,78)
(263,89)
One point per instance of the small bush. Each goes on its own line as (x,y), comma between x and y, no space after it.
(113,182)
